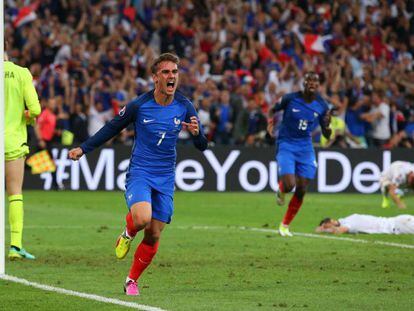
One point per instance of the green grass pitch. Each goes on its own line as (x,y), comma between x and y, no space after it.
(206,261)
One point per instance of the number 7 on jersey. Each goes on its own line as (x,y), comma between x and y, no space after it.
(162,137)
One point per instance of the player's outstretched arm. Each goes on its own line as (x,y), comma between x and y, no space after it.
(111,129)
(333,230)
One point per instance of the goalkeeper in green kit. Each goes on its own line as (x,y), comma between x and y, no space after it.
(21,108)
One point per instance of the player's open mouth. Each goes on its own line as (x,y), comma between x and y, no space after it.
(170,85)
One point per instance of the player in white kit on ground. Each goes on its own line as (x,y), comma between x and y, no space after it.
(357,223)
(399,176)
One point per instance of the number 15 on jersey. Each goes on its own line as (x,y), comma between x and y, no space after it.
(303,124)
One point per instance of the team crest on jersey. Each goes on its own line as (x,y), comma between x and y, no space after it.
(177,121)
(122,111)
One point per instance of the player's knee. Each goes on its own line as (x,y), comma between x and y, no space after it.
(141,221)
(141,214)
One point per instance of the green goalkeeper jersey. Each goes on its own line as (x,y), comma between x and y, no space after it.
(19,95)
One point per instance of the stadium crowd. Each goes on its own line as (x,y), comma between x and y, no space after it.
(237,59)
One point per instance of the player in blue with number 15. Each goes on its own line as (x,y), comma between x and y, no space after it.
(302,112)
(158,117)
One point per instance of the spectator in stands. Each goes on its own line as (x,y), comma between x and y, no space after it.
(45,132)
(250,126)
(243,47)
(203,107)
(223,118)
(79,123)
(379,117)
(98,116)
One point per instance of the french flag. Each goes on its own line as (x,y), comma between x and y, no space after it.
(313,43)
(25,15)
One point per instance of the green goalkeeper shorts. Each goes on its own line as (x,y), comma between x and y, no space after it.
(16,153)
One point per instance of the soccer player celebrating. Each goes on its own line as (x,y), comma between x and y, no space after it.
(303,111)
(21,108)
(158,117)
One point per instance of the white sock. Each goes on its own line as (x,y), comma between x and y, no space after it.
(129,279)
(126,234)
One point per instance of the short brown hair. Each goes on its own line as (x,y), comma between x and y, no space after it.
(162,58)
(325,221)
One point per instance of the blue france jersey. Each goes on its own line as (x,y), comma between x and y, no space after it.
(156,132)
(300,118)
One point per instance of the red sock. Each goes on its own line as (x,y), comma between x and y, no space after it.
(281,186)
(131,229)
(142,258)
(294,206)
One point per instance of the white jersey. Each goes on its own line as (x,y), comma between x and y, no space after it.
(396,174)
(356,223)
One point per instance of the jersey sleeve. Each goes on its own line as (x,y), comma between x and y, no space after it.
(125,116)
(29,93)
(199,141)
(325,111)
(283,102)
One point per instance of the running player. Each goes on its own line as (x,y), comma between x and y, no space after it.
(21,108)
(158,117)
(356,223)
(399,175)
(303,111)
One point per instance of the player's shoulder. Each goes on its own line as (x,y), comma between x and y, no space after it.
(322,101)
(291,96)
(16,67)
(182,99)
(20,70)
(142,99)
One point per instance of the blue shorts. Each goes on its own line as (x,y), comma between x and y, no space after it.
(296,162)
(142,188)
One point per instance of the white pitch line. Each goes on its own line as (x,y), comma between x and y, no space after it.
(79,294)
(307,235)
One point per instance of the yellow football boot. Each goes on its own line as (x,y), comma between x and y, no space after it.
(123,243)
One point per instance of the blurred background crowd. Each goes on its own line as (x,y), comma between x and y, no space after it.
(89,58)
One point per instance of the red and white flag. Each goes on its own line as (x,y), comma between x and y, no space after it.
(313,43)
(25,15)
